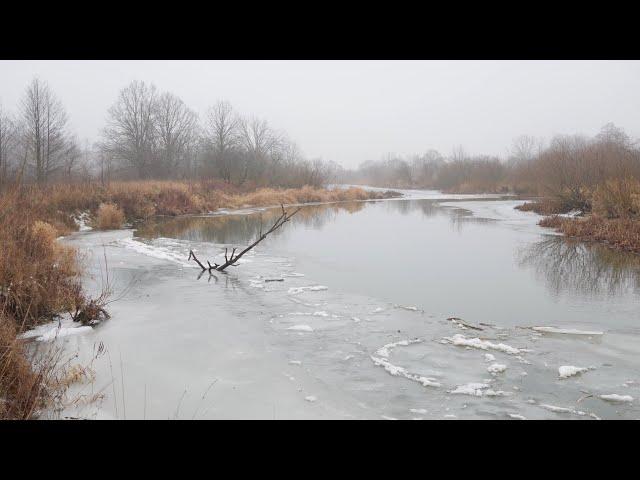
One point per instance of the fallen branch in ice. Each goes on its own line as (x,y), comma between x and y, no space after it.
(233,259)
(459,322)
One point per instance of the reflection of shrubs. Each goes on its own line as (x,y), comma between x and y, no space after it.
(109,217)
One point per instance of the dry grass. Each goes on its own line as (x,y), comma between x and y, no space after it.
(617,198)
(33,380)
(545,206)
(109,217)
(554,221)
(39,279)
(38,275)
(144,199)
(20,384)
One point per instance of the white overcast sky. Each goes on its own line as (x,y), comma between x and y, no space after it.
(351,111)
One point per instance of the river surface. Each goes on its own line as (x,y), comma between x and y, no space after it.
(346,312)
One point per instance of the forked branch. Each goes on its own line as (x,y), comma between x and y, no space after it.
(231,260)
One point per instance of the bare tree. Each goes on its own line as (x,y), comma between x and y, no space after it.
(223,134)
(459,154)
(525,148)
(130,135)
(45,122)
(72,156)
(176,127)
(258,141)
(8,137)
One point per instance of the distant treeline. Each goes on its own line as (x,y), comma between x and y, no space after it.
(150,135)
(567,167)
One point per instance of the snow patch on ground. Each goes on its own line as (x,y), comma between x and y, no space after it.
(57,329)
(81,221)
(402,372)
(49,334)
(462,341)
(571,214)
(556,409)
(496,368)
(301,328)
(566,371)
(567,331)
(409,308)
(489,358)
(478,389)
(313,314)
(517,417)
(385,351)
(313,288)
(615,398)
(154,251)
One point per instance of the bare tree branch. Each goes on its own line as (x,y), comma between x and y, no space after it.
(231,261)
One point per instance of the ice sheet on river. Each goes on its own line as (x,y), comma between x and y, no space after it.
(361,356)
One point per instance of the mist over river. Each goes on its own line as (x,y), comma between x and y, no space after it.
(430,306)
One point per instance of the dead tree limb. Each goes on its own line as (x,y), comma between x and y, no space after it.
(231,261)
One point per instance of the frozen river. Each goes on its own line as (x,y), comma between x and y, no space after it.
(346,312)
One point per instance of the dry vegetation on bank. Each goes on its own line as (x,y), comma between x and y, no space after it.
(38,280)
(138,200)
(614,217)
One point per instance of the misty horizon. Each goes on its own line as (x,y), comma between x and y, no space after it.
(354,111)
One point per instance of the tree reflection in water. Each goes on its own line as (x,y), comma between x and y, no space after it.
(570,266)
(238,229)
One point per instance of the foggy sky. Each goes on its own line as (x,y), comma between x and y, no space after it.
(351,111)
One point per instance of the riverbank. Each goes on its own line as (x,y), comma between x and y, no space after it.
(608,214)
(619,233)
(40,278)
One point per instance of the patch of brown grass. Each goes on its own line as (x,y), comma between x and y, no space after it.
(38,275)
(553,221)
(617,198)
(109,217)
(545,206)
(20,385)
